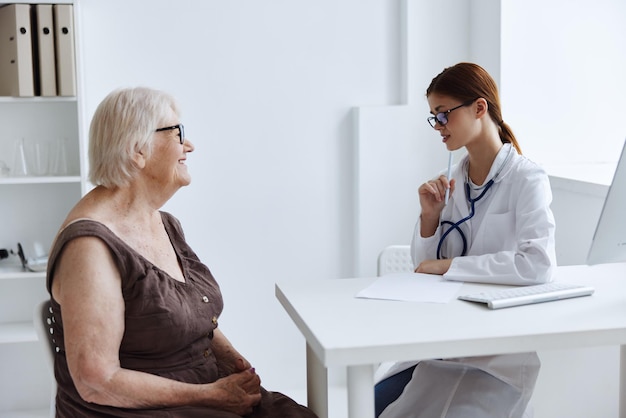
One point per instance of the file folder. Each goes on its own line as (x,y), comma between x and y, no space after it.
(16,52)
(45,76)
(64,43)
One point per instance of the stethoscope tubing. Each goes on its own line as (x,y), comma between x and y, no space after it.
(455,226)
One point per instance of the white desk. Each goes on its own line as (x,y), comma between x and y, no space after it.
(341,330)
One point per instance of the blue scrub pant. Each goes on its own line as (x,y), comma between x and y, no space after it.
(388,390)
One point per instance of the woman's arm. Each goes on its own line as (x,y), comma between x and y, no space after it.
(526,253)
(431,195)
(425,235)
(518,249)
(87,285)
(229,360)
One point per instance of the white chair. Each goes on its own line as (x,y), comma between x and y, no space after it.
(43,319)
(395,259)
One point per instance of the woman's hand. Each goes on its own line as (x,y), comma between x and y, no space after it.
(432,194)
(239,392)
(434,266)
(432,201)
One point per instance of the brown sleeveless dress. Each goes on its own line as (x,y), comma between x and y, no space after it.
(168,327)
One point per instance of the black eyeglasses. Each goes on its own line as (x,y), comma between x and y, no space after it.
(181,131)
(442,117)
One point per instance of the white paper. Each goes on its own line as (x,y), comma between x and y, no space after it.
(412,287)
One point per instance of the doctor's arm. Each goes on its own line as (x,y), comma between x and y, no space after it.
(423,250)
(520,247)
(432,202)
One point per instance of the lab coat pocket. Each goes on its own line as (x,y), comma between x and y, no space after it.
(498,233)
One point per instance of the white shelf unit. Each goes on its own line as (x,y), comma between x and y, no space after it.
(31,211)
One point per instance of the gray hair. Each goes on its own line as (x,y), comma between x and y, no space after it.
(124,122)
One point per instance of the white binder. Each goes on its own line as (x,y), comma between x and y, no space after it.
(64,43)
(45,70)
(16,52)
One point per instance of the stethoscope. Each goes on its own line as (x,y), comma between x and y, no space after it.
(455,226)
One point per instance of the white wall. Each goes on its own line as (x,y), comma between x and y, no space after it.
(395,148)
(564,83)
(266,89)
(563,89)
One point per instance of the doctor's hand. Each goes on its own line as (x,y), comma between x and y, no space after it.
(434,266)
(432,201)
(432,194)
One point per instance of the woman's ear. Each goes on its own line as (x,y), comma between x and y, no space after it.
(139,158)
(482,107)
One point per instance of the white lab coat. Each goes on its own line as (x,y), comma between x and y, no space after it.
(510,240)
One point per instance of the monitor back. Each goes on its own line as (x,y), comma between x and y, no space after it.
(609,241)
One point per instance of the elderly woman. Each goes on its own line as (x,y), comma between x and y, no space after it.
(136,312)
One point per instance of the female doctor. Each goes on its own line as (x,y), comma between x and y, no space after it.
(496,227)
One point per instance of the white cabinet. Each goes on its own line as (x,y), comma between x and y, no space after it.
(32,207)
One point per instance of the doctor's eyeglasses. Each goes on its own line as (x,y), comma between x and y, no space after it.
(181,131)
(441,118)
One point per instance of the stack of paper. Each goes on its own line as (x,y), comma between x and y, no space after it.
(412,287)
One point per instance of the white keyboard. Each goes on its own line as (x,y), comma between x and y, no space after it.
(525,295)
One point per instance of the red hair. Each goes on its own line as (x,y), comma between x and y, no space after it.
(466,82)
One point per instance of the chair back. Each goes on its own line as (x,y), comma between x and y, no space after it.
(43,319)
(395,259)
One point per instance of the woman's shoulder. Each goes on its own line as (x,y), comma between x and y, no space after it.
(82,227)
(528,177)
(88,208)
(523,164)
(88,218)
(524,174)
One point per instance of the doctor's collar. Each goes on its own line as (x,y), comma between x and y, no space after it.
(505,154)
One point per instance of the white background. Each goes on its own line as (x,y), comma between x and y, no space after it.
(267,89)
(564,78)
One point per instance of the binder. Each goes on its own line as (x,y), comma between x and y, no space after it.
(45,77)
(64,43)
(16,52)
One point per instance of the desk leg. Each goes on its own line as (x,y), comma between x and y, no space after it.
(361,391)
(317,384)
(622,382)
